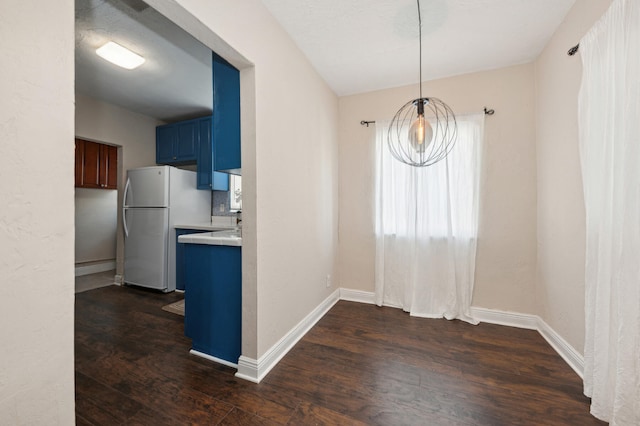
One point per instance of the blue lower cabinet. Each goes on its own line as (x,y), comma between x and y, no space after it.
(180,259)
(213,300)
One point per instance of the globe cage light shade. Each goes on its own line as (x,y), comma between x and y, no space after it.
(411,144)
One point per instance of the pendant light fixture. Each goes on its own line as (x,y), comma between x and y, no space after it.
(424,130)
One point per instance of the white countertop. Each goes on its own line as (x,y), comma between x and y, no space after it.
(205,226)
(218,238)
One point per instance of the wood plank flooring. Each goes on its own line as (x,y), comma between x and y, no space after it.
(360,365)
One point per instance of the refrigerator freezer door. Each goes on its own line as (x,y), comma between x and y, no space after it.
(146,247)
(147,187)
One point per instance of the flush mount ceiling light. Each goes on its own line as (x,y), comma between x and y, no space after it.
(424,130)
(121,56)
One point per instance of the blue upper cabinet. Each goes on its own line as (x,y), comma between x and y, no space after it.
(187,140)
(205,155)
(166,137)
(177,143)
(226,117)
(207,178)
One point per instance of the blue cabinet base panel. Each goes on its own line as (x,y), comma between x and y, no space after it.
(213,299)
(213,358)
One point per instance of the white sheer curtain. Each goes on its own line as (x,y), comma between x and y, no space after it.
(427,227)
(609,119)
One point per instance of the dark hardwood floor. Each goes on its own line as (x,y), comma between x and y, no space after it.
(359,365)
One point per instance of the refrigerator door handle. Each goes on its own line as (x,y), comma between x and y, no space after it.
(124,208)
(124,222)
(126,192)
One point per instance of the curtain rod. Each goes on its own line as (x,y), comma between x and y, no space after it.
(486,111)
(573,50)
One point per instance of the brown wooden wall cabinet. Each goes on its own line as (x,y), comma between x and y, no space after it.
(96,165)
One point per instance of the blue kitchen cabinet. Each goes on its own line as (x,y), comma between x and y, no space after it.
(180,258)
(177,143)
(226,117)
(187,146)
(207,177)
(166,137)
(213,301)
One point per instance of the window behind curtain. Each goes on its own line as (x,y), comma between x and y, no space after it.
(438,201)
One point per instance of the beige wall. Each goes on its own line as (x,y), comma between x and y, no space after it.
(134,133)
(96,218)
(289,147)
(36,213)
(506,256)
(561,215)
(290,165)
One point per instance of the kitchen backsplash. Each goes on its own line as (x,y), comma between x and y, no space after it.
(221,198)
(221,204)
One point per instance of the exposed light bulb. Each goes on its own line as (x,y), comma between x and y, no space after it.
(420,134)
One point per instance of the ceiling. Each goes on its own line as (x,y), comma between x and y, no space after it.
(175,81)
(356,45)
(360,46)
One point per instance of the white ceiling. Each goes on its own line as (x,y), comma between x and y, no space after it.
(356,45)
(175,81)
(364,45)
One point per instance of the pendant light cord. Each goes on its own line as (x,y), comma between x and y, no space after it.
(420,39)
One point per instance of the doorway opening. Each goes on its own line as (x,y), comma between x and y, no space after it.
(96,213)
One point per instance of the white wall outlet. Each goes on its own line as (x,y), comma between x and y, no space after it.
(221,207)
(328,280)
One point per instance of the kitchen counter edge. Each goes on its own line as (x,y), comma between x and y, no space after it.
(216,238)
(205,227)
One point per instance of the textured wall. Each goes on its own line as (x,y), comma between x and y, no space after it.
(36,213)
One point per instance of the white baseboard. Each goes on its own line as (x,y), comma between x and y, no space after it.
(255,370)
(213,358)
(248,369)
(533,322)
(564,349)
(357,296)
(95,268)
(510,319)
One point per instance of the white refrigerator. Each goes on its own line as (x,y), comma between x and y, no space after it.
(155,200)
